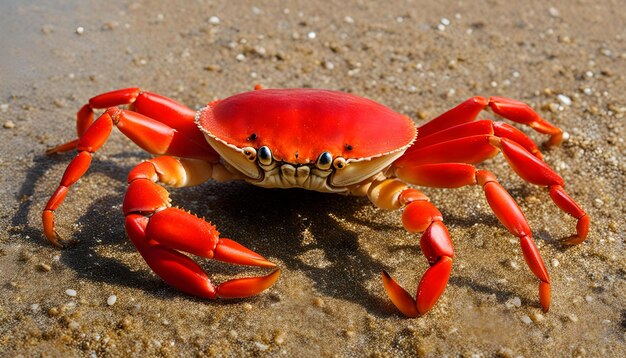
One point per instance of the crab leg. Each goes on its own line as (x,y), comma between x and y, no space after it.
(451,175)
(159,231)
(508,108)
(510,215)
(475,149)
(151,135)
(482,127)
(162,109)
(419,216)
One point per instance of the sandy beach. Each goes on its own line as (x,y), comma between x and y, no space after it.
(567,59)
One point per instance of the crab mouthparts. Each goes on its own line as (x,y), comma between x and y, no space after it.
(288,175)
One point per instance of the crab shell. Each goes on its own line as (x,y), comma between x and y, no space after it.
(298,126)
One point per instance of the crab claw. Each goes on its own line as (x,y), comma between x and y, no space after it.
(246,287)
(183,231)
(400,298)
(431,287)
(230,251)
(47,217)
(181,272)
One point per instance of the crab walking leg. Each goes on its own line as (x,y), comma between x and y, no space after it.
(159,108)
(454,175)
(159,231)
(511,109)
(151,135)
(482,127)
(477,148)
(510,215)
(419,216)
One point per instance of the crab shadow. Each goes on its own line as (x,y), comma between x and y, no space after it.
(287,225)
(103,228)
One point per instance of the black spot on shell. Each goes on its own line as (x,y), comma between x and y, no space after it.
(251,137)
(348,147)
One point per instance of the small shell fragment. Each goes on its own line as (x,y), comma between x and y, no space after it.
(111,300)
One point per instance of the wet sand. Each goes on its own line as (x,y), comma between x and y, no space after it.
(567,59)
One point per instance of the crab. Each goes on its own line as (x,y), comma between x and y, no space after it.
(322,140)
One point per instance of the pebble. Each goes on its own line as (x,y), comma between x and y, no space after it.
(536,317)
(555,263)
(214,20)
(125,323)
(328,65)
(553,12)
(53,312)
(110,25)
(44,267)
(564,99)
(213,68)
(70,292)
(588,298)
(318,302)
(348,19)
(279,338)
(47,29)
(513,302)
(261,346)
(311,35)
(9,125)
(111,300)
(34,307)
(526,319)
(598,203)
(505,352)
(514,265)
(4,107)
(572,317)
(80,30)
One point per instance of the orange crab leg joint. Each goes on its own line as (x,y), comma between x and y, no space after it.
(421,216)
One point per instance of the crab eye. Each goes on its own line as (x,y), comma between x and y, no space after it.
(250,153)
(324,161)
(265,155)
(339,163)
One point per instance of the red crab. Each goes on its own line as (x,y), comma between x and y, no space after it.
(314,139)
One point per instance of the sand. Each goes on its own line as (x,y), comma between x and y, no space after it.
(565,58)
